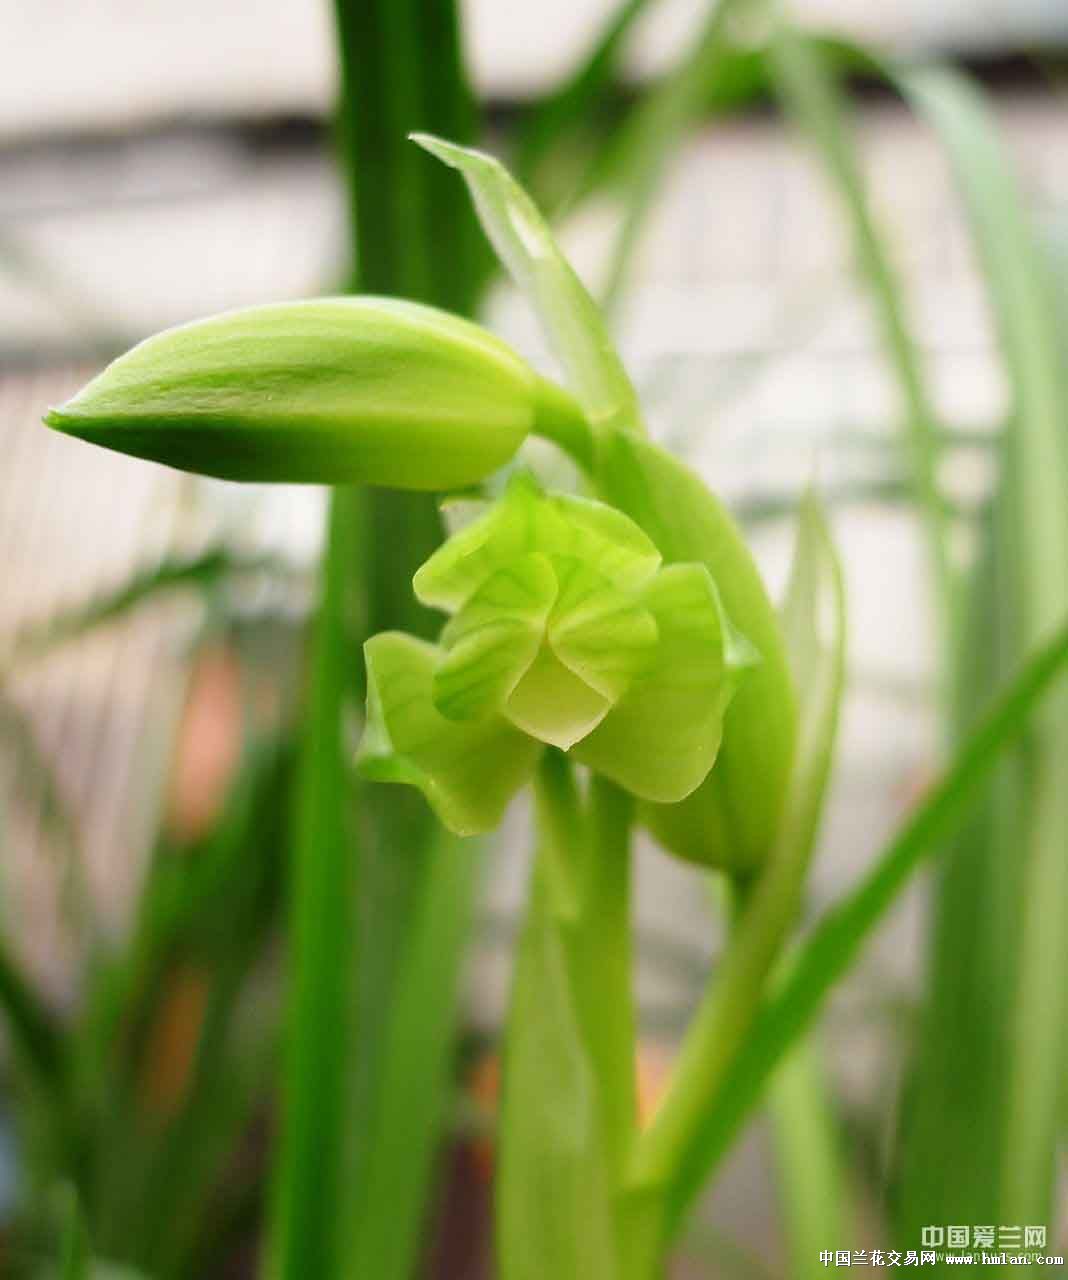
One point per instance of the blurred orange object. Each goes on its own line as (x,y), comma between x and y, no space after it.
(652,1069)
(209,744)
(173,1041)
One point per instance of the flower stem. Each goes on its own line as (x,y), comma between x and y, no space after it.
(588,862)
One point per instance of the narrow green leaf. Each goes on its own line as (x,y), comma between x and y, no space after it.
(833,946)
(35,782)
(957,1081)
(526,247)
(630,160)
(805,82)
(305,1217)
(402,67)
(387,1225)
(32,1029)
(1025,305)
(226,920)
(653,135)
(74,1261)
(806,1145)
(560,124)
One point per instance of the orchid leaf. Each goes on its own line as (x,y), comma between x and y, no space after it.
(848,925)
(75,1259)
(1018,278)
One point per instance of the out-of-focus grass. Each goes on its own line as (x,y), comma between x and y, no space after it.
(1019,878)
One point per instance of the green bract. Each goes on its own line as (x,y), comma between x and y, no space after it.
(732,819)
(565,631)
(337,390)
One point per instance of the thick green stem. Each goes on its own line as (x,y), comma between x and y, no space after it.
(402,70)
(588,861)
(569,1113)
(559,418)
(603,965)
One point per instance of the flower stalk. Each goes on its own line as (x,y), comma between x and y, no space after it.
(615,648)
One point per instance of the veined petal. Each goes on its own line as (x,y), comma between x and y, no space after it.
(555,705)
(494,638)
(527,520)
(606,539)
(462,564)
(605,636)
(661,739)
(468,772)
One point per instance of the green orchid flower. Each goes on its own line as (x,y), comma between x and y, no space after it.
(565,631)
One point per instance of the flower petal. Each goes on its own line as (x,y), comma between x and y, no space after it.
(605,636)
(468,772)
(494,638)
(555,705)
(527,520)
(661,739)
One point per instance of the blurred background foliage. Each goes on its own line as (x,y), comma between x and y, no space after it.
(261,1063)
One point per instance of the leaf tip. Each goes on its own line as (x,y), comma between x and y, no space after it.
(448,152)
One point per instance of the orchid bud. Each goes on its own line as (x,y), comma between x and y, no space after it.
(333,391)
(565,631)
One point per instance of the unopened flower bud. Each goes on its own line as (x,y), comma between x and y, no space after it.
(337,390)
